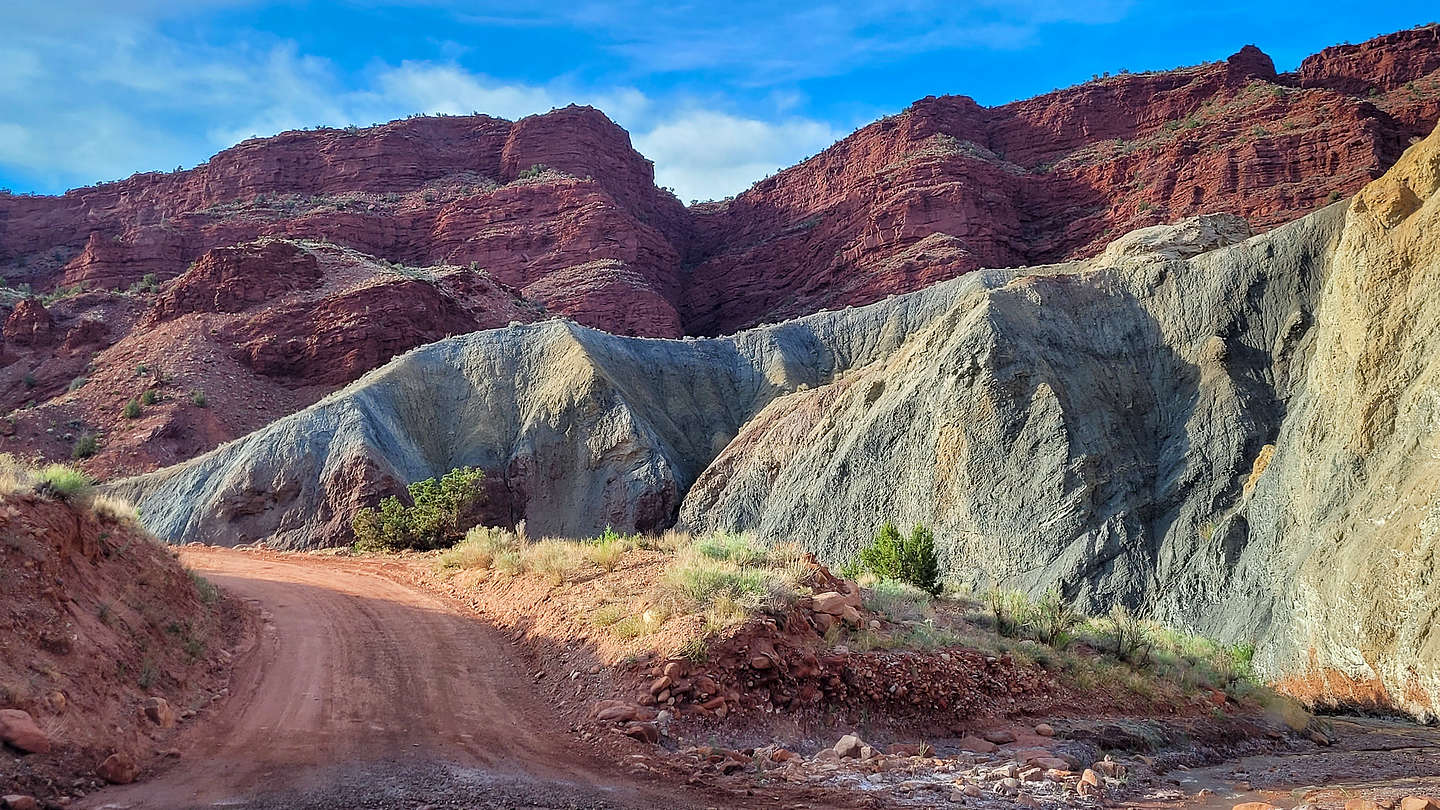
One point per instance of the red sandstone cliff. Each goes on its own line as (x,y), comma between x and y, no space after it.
(400,234)
(948,186)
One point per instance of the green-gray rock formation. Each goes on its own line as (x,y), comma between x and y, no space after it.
(1238,435)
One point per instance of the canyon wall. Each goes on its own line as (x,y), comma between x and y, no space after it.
(557,214)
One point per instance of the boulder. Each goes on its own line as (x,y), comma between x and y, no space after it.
(1045,730)
(832,603)
(646,732)
(118,769)
(1365,804)
(17,801)
(158,710)
(975,745)
(1089,785)
(18,730)
(29,324)
(1418,803)
(999,736)
(849,746)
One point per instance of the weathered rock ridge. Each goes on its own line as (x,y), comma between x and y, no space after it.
(559,214)
(1235,434)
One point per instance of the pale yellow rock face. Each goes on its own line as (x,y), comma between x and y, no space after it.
(1363,468)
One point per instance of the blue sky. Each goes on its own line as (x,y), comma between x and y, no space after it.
(717,94)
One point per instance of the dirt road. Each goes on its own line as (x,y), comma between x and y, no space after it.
(361,692)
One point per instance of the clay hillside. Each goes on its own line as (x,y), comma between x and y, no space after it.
(150,319)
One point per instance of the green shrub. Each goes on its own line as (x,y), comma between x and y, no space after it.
(1129,637)
(60,481)
(1052,619)
(534,171)
(84,447)
(912,559)
(438,514)
(150,397)
(197,398)
(131,409)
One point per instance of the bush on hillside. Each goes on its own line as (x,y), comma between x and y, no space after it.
(437,516)
(85,446)
(61,482)
(906,559)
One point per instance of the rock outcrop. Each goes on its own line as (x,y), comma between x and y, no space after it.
(948,186)
(116,625)
(1234,434)
(558,213)
(247,334)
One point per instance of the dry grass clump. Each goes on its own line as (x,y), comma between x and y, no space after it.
(897,601)
(607,550)
(479,549)
(16,477)
(53,480)
(729,577)
(554,560)
(63,483)
(112,508)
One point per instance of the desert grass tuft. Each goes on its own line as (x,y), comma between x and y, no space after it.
(553,559)
(478,550)
(113,508)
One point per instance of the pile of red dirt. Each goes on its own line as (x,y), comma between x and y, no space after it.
(106,645)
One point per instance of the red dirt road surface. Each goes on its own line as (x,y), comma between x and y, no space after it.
(362,692)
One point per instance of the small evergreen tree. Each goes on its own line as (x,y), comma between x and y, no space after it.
(918,564)
(882,556)
(893,556)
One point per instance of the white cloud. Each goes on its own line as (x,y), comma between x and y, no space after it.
(117,95)
(136,100)
(707,155)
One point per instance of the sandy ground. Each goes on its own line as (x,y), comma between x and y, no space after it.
(361,692)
